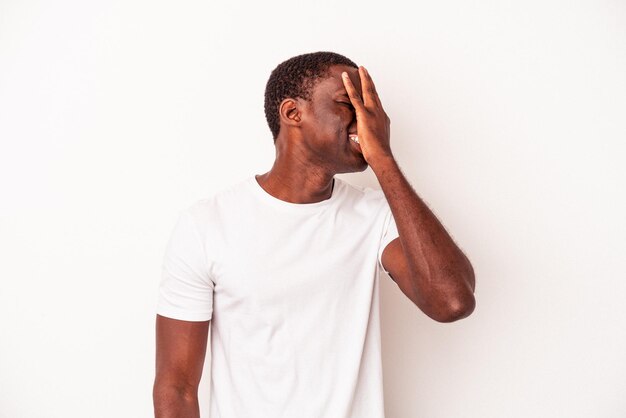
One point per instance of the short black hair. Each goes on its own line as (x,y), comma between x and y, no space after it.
(296,77)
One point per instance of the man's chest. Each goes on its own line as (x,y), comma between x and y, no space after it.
(294,261)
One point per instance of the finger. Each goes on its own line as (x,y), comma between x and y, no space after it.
(353,94)
(369,89)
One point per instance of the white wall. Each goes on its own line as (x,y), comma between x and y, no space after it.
(508,118)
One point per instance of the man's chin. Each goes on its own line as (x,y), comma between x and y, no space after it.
(360,168)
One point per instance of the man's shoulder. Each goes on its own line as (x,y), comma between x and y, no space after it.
(364,194)
(365,200)
(219,200)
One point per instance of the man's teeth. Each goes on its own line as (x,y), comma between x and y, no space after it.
(354,138)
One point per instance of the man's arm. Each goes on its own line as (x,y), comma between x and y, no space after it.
(425,262)
(180,351)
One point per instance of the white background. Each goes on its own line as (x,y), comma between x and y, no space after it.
(508,118)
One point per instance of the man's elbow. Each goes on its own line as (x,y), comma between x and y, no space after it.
(461,308)
(172,399)
(463,303)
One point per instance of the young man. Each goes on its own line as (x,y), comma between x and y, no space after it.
(285,265)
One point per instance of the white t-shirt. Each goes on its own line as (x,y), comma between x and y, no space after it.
(292,291)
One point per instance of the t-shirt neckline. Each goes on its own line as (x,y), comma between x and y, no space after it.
(274,201)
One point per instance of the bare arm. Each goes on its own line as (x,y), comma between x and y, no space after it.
(424,260)
(180,351)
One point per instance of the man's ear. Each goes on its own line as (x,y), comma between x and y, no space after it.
(290,112)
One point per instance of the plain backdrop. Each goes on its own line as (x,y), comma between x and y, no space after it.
(508,118)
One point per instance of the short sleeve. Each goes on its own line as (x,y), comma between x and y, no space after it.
(186,288)
(390,232)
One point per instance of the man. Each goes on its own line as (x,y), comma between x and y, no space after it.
(285,265)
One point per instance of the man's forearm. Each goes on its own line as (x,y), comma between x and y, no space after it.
(170,402)
(438,267)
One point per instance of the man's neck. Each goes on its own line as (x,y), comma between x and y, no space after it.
(297,185)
